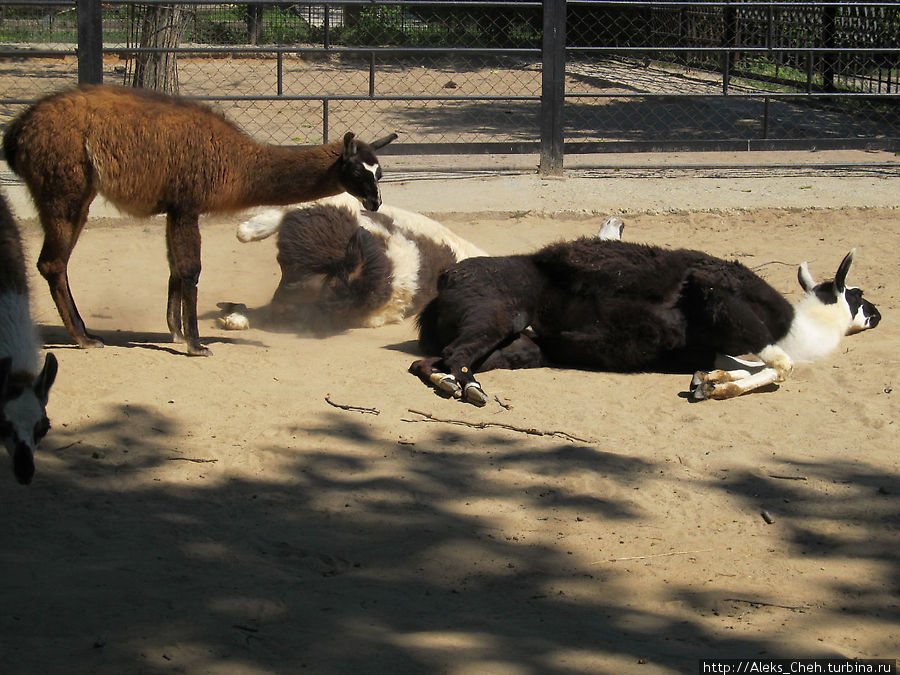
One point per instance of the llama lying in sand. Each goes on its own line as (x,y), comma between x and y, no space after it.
(149,153)
(23,387)
(611,305)
(345,267)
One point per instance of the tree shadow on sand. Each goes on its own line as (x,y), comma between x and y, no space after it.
(359,557)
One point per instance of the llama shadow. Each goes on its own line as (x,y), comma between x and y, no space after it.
(410,347)
(56,337)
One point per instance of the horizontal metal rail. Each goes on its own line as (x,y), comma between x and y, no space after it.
(724,75)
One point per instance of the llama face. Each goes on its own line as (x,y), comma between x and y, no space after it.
(863,314)
(360,170)
(23,416)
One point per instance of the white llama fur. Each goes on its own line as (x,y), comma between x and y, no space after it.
(266,223)
(17,334)
(817,329)
(404,254)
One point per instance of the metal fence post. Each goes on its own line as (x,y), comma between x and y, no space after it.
(553,87)
(90,41)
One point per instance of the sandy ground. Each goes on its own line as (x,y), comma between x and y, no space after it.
(223,515)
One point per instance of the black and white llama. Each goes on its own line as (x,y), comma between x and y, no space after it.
(24,387)
(616,306)
(343,266)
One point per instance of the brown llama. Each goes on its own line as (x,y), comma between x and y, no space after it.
(23,389)
(150,153)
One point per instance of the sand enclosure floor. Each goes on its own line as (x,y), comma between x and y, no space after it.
(230,515)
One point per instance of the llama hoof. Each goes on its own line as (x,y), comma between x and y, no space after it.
(696,381)
(91,343)
(475,394)
(701,390)
(198,350)
(446,383)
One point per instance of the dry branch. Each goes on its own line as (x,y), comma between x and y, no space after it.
(484,425)
(655,555)
(759,603)
(355,408)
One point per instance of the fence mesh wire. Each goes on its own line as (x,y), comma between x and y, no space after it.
(654,73)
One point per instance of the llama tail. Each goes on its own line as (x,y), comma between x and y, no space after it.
(11,142)
(427,324)
(260,226)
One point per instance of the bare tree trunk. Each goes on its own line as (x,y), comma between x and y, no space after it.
(254,23)
(161,28)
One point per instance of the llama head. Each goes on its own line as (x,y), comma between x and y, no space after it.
(863,314)
(611,230)
(359,171)
(23,416)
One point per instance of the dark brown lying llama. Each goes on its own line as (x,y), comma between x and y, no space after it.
(346,267)
(24,385)
(616,306)
(148,153)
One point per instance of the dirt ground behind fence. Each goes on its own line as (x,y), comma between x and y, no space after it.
(514,120)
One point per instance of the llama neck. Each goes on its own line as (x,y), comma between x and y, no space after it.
(278,175)
(816,330)
(17,334)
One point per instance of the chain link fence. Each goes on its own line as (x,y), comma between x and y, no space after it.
(473,77)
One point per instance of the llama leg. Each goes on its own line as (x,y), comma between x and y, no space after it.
(173,303)
(465,355)
(183,241)
(173,306)
(522,352)
(60,235)
(726,369)
(721,384)
(429,371)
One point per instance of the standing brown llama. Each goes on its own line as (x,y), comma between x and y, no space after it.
(150,153)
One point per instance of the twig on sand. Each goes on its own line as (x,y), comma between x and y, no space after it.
(196,460)
(772,262)
(773,475)
(655,555)
(356,408)
(67,446)
(759,603)
(484,425)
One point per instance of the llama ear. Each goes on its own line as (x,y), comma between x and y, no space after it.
(840,278)
(350,145)
(381,142)
(807,283)
(46,378)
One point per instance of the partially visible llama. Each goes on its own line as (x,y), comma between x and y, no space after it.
(23,387)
